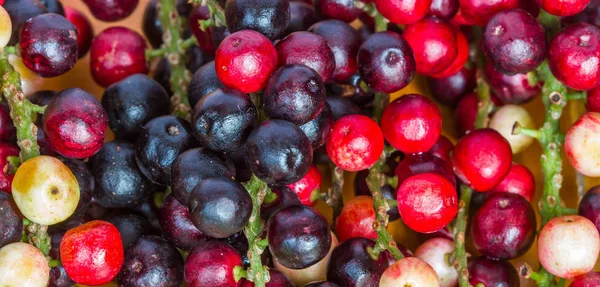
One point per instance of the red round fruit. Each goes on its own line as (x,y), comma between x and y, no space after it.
(414,164)
(111,10)
(482,159)
(442,148)
(204,38)
(574,55)
(75,123)
(6,176)
(211,264)
(563,7)
(443,9)
(466,112)
(427,202)
(306,186)
(519,180)
(588,280)
(460,60)
(245,60)
(403,11)
(92,253)
(412,123)
(593,100)
(307,49)
(356,219)
(434,45)
(85,32)
(343,10)
(116,54)
(479,12)
(514,89)
(582,144)
(356,142)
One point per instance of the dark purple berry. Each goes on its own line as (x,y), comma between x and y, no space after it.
(268,17)
(351,264)
(302,16)
(11,225)
(177,226)
(131,226)
(204,81)
(449,90)
(344,42)
(319,128)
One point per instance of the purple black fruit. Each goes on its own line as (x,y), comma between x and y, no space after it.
(203,82)
(177,226)
(344,42)
(351,264)
(268,17)
(11,225)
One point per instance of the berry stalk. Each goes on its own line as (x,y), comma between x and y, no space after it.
(333,197)
(175,54)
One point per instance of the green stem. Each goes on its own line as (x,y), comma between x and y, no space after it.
(257,272)
(155,53)
(217,14)
(334,193)
(370,9)
(11,50)
(379,103)
(485,105)
(176,56)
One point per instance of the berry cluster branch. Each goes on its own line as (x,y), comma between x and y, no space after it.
(174,51)
(217,14)
(370,9)
(23,114)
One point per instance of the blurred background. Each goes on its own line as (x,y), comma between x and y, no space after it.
(80,77)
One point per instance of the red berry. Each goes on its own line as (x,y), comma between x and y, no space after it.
(306,186)
(434,45)
(204,38)
(519,180)
(479,12)
(442,148)
(593,100)
(356,219)
(6,177)
(355,143)
(574,55)
(482,159)
(75,123)
(245,60)
(460,60)
(443,9)
(563,7)
(403,11)
(414,164)
(116,54)
(490,272)
(514,89)
(111,10)
(427,202)
(466,112)
(211,264)
(582,143)
(343,10)
(85,32)
(308,49)
(588,280)
(412,123)
(92,253)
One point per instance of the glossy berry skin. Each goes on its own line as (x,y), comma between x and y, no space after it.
(504,120)
(149,256)
(119,181)
(245,60)
(223,119)
(434,45)
(85,31)
(356,219)
(491,272)
(443,9)
(203,82)
(465,112)
(279,152)
(277,280)
(19,12)
(48,45)
(117,53)
(519,180)
(344,42)
(442,148)
(588,15)
(11,226)
(342,106)
(305,187)
(412,123)
(92,254)
(307,49)
(298,236)
(131,226)
(161,140)
(23,263)
(569,53)
(211,264)
(193,166)
(285,197)
(581,144)
(449,90)
(111,10)
(592,104)
(268,17)
(482,159)
(514,89)
(480,12)
(403,11)
(319,129)
(514,42)
(588,280)
(433,252)
(343,10)
(177,225)
(504,227)
(462,56)
(568,246)
(427,202)
(351,265)
(387,62)
(409,271)
(589,207)
(6,177)
(196,14)
(302,16)
(346,146)
(563,7)
(414,164)
(207,202)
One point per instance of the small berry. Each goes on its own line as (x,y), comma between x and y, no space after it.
(519,180)
(434,45)
(343,10)
(449,90)
(491,272)
(85,31)
(433,252)
(356,219)
(403,11)
(563,7)
(307,186)
(581,144)
(309,49)
(23,263)
(211,264)
(480,12)
(268,17)
(356,143)
(111,10)
(409,271)
(514,89)
(504,120)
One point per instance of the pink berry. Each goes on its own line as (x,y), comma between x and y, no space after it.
(588,280)
(356,219)
(356,143)
(427,202)
(479,12)
(306,186)
(245,60)
(568,246)
(482,159)
(582,142)
(412,123)
(563,7)
(434,45)
(433,252)
(519,180)
(409,271)
(211,264)
(403,11)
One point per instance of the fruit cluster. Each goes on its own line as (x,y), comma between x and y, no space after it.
(219,156)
